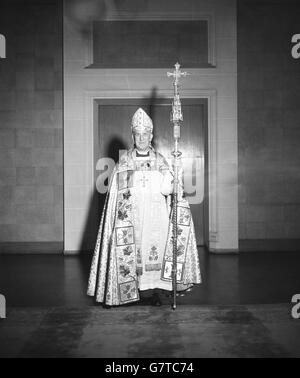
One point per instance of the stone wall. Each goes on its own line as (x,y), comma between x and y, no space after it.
(268,125)
(31,179)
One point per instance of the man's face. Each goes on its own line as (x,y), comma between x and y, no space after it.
(142,140)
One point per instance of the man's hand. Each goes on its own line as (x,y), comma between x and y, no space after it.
(167,183)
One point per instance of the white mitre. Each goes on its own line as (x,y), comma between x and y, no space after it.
(141,122)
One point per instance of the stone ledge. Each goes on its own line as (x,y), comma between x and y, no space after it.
(31,247)
(269,245)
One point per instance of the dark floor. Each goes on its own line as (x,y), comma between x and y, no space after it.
(145,331)
(248,278)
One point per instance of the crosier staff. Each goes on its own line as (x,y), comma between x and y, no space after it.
(176,118)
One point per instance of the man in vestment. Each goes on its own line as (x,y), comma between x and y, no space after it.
(134,248)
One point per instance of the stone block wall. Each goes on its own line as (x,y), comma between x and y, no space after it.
(31,148)
(268,124)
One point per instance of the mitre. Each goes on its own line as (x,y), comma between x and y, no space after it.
(141,122)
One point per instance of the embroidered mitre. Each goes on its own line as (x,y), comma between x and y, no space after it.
(141,122)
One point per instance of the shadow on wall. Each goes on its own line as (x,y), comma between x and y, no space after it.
(151,112)
(82,12)
(97,201)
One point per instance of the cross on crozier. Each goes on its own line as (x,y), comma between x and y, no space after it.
(177,74)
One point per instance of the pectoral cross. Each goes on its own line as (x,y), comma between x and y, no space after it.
(143,180)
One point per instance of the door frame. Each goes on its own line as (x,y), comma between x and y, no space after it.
(201,232)
(92,98)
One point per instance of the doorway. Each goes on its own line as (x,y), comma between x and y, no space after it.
(114,134)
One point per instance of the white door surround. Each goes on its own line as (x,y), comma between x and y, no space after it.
(82,87)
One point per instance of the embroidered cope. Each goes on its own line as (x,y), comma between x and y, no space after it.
(134,245)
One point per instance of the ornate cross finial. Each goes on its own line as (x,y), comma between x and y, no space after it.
(177,74)
(176,114)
